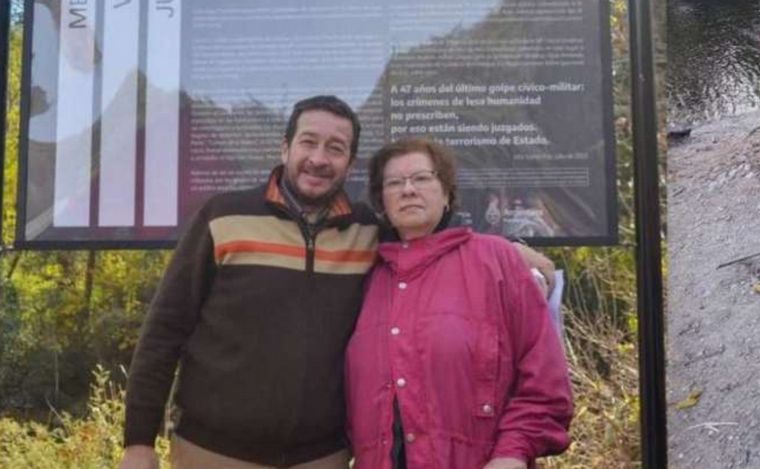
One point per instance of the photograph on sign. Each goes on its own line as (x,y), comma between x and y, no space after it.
(138,112)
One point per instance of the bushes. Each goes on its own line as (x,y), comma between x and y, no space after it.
(91,442)
(56,325)
(605,430)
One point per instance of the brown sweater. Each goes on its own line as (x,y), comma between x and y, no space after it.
(257,313)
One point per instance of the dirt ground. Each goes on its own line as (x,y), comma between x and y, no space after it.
(713,339)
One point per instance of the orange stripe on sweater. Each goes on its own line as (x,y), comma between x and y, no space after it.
(258,246)
(346,255)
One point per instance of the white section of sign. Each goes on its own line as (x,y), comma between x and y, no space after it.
(74,115)
(118,129)
(162,113)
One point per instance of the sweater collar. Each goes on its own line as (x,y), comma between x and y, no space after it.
(412,257)
(339,205)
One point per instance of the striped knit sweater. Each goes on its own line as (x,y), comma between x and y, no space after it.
(257,313)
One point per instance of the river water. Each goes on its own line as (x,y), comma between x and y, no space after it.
(713,59)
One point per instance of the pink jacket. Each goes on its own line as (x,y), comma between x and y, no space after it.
(454,326)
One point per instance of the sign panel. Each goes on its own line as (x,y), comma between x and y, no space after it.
(138,111)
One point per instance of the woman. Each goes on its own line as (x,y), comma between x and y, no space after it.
(454,363)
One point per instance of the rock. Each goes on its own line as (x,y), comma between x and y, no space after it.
(678,132)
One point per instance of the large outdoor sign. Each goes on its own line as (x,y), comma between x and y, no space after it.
(138,111)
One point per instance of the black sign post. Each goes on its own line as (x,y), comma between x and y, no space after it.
(648,252)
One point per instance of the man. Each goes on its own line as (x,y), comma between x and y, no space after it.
(257,306)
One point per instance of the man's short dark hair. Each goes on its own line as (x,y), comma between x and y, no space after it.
(327,103)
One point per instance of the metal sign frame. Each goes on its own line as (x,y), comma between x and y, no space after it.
(84,241)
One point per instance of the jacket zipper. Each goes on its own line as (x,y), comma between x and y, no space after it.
(310,241)
(310,238)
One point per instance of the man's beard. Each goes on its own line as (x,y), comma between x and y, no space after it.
(313,202)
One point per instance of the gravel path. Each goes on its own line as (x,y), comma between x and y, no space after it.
(714,314)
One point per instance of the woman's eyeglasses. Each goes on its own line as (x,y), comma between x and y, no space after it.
(419,180)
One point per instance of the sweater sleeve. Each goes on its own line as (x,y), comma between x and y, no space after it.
(171,319)
(537,415)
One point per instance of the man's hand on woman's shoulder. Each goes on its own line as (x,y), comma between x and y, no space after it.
(535,259)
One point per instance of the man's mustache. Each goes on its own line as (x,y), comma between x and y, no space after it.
(318,170)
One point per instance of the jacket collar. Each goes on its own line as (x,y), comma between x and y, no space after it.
(339,207)
(408,259)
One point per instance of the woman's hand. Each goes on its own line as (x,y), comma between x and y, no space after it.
(506,463)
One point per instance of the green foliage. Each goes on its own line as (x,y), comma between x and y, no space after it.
(12,130)
(90,442)
(65,311)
